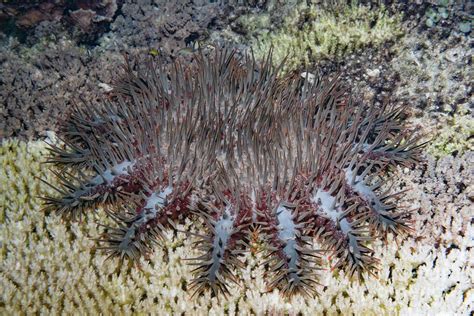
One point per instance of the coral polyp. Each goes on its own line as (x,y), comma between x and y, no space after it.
(244,150)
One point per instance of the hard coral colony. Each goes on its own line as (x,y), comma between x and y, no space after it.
(230,143)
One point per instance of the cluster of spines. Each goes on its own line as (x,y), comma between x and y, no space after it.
(292,261)
(227,222)
(230,142)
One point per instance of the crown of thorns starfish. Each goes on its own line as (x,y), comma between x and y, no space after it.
(232,143)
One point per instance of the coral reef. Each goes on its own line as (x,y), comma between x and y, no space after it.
(55,63)
(455,137)
(38,83)
(432,76)
(46,267)
(436,82)
(165,25)
(90,18)
(425,68)
(449,15)
(309,33)
(439,72)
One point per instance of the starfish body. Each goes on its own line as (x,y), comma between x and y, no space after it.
(231,143)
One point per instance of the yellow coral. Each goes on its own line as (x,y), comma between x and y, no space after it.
(323,34)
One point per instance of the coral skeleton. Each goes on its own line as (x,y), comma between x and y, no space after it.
(242,150)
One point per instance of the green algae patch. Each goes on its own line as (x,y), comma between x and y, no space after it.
(310,33)
(457,136)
